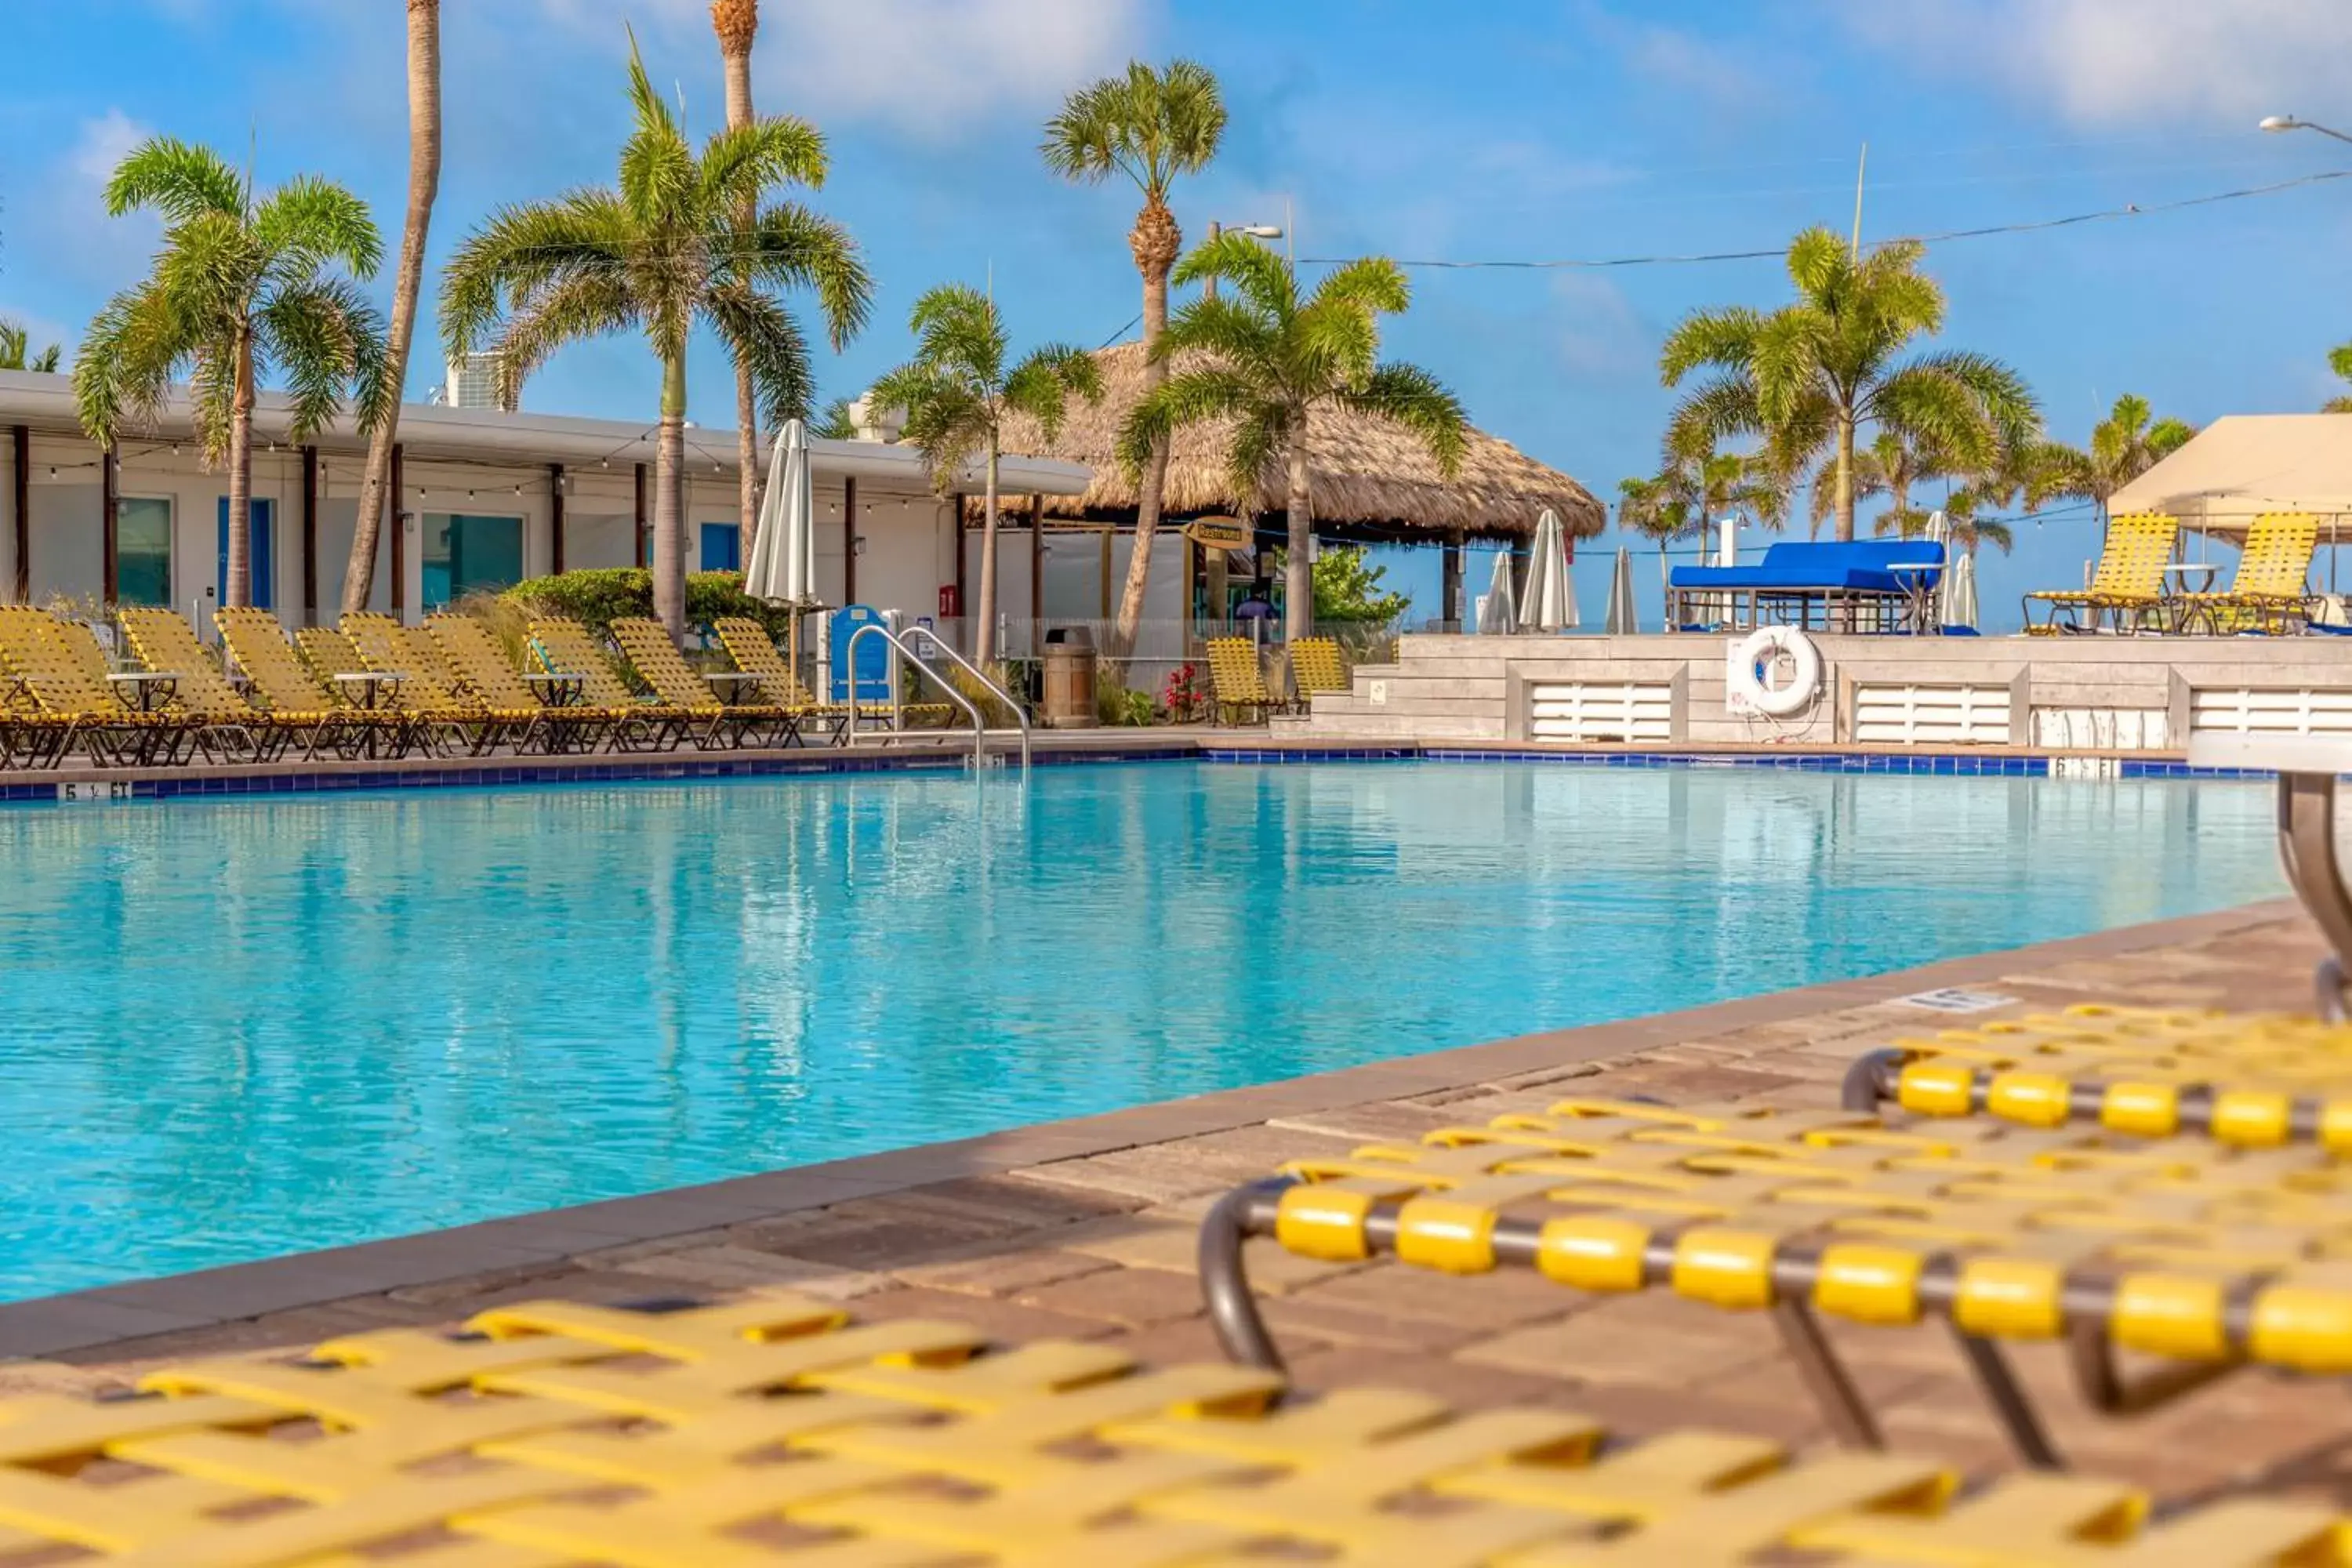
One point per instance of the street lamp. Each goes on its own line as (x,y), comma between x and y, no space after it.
(2275,122)
(1254,230)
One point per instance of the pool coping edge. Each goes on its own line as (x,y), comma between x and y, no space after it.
(85,1319)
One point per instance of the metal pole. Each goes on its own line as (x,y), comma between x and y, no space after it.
(1860,169)
(309,536)
(399,520)
(109,496)
(555,517)
(20,444)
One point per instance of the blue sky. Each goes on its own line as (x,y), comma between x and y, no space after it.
(1510,130)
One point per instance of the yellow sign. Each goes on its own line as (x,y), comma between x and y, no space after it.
(1219,534)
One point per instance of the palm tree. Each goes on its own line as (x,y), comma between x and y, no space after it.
(661,254)
(16,351)
(1890,466)
(737,23)
(240,290)
(423,183)
(1696,485)
(1149,125)
(1810,375)
(2124,445)
(836,423)
(1269,362)
(2339,360)
(958,391)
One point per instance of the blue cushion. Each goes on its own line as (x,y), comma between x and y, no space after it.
(1799,566)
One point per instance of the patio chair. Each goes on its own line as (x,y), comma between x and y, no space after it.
(754,652)
(2128,587)
(1236,680)
(430,688)
(564,647)
(230,727)
(777,1428)
(60,671)
(2271,590)
(2208,1257)
(418,715)
(292,694)
(646,644)
(480,669)
(1315,665)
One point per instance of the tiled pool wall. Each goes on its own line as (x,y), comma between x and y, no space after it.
(673,769)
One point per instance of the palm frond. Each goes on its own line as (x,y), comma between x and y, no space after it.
(1723,339)
(742,164)
(308,221)
(1260,276)
(947,421)
(1372,285)
(759,332)
(791,246)
(1189,397)
(523,250)
(957,331)
(178,179)
(1042,385)
(1717,409)
(323,336)
(1150,125)
(659,182)
(1223,327)
(1411,399)
(587,304)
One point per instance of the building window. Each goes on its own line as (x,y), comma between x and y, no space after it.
(142,551)
(467,554)
(722,547)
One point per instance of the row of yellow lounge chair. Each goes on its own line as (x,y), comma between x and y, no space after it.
(1238,687)
(374,687)
(2128,593)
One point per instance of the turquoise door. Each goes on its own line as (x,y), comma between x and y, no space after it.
(261,557)
(467,554)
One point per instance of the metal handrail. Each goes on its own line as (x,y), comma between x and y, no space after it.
(979,730)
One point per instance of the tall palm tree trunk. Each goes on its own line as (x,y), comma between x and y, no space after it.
(1156,242)
(1298,572)
(238,589)
(669,500)
(1845,478)
(737,23)
(423,183)
(985,640)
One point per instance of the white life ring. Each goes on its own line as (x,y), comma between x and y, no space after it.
(1756,658)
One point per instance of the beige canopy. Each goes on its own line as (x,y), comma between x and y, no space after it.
(2240,467)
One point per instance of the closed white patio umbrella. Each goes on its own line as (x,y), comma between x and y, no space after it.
(1959,592)
(1940,531)
(1623,620)
(783,553)
(1549,603)
(1498,610)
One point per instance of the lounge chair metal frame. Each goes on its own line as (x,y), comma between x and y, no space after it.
(2126,588)
(1237,679)
(252,640)
(564,647)
(2271,591)
(654,659)
(755,653)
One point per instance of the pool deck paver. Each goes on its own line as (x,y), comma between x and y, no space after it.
(1086,1229)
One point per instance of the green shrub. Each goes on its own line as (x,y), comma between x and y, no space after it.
(1115,704)
(597,598)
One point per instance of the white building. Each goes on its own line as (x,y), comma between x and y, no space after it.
(486,499)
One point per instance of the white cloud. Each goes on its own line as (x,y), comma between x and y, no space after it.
(2132,61)
(104,143)
(927,67)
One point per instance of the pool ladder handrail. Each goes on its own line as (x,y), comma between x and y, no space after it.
(979,730)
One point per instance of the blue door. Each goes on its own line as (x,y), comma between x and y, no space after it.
(873,656)
(722,548)
(261,534)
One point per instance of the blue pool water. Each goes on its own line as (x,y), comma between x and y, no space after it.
(241,1028)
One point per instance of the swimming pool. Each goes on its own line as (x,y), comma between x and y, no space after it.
(251,1026)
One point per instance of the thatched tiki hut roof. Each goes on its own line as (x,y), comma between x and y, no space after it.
(1368,479)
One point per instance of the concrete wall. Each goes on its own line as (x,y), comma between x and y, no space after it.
(2082,692)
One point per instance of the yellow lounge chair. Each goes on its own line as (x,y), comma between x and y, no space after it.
(645,644)
(564,647)
(230,727)
(1315,665)
(1236,680)
(480,669)
(60,670)
(2271,590)
(2127,588)
(431,685)
(289,691)
(755,653)
(776,1428)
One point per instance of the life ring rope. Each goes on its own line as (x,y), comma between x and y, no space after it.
(1760,653)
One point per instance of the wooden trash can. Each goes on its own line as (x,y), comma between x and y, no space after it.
(1067,698)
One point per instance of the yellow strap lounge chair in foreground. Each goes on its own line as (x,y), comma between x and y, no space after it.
(2126,591)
